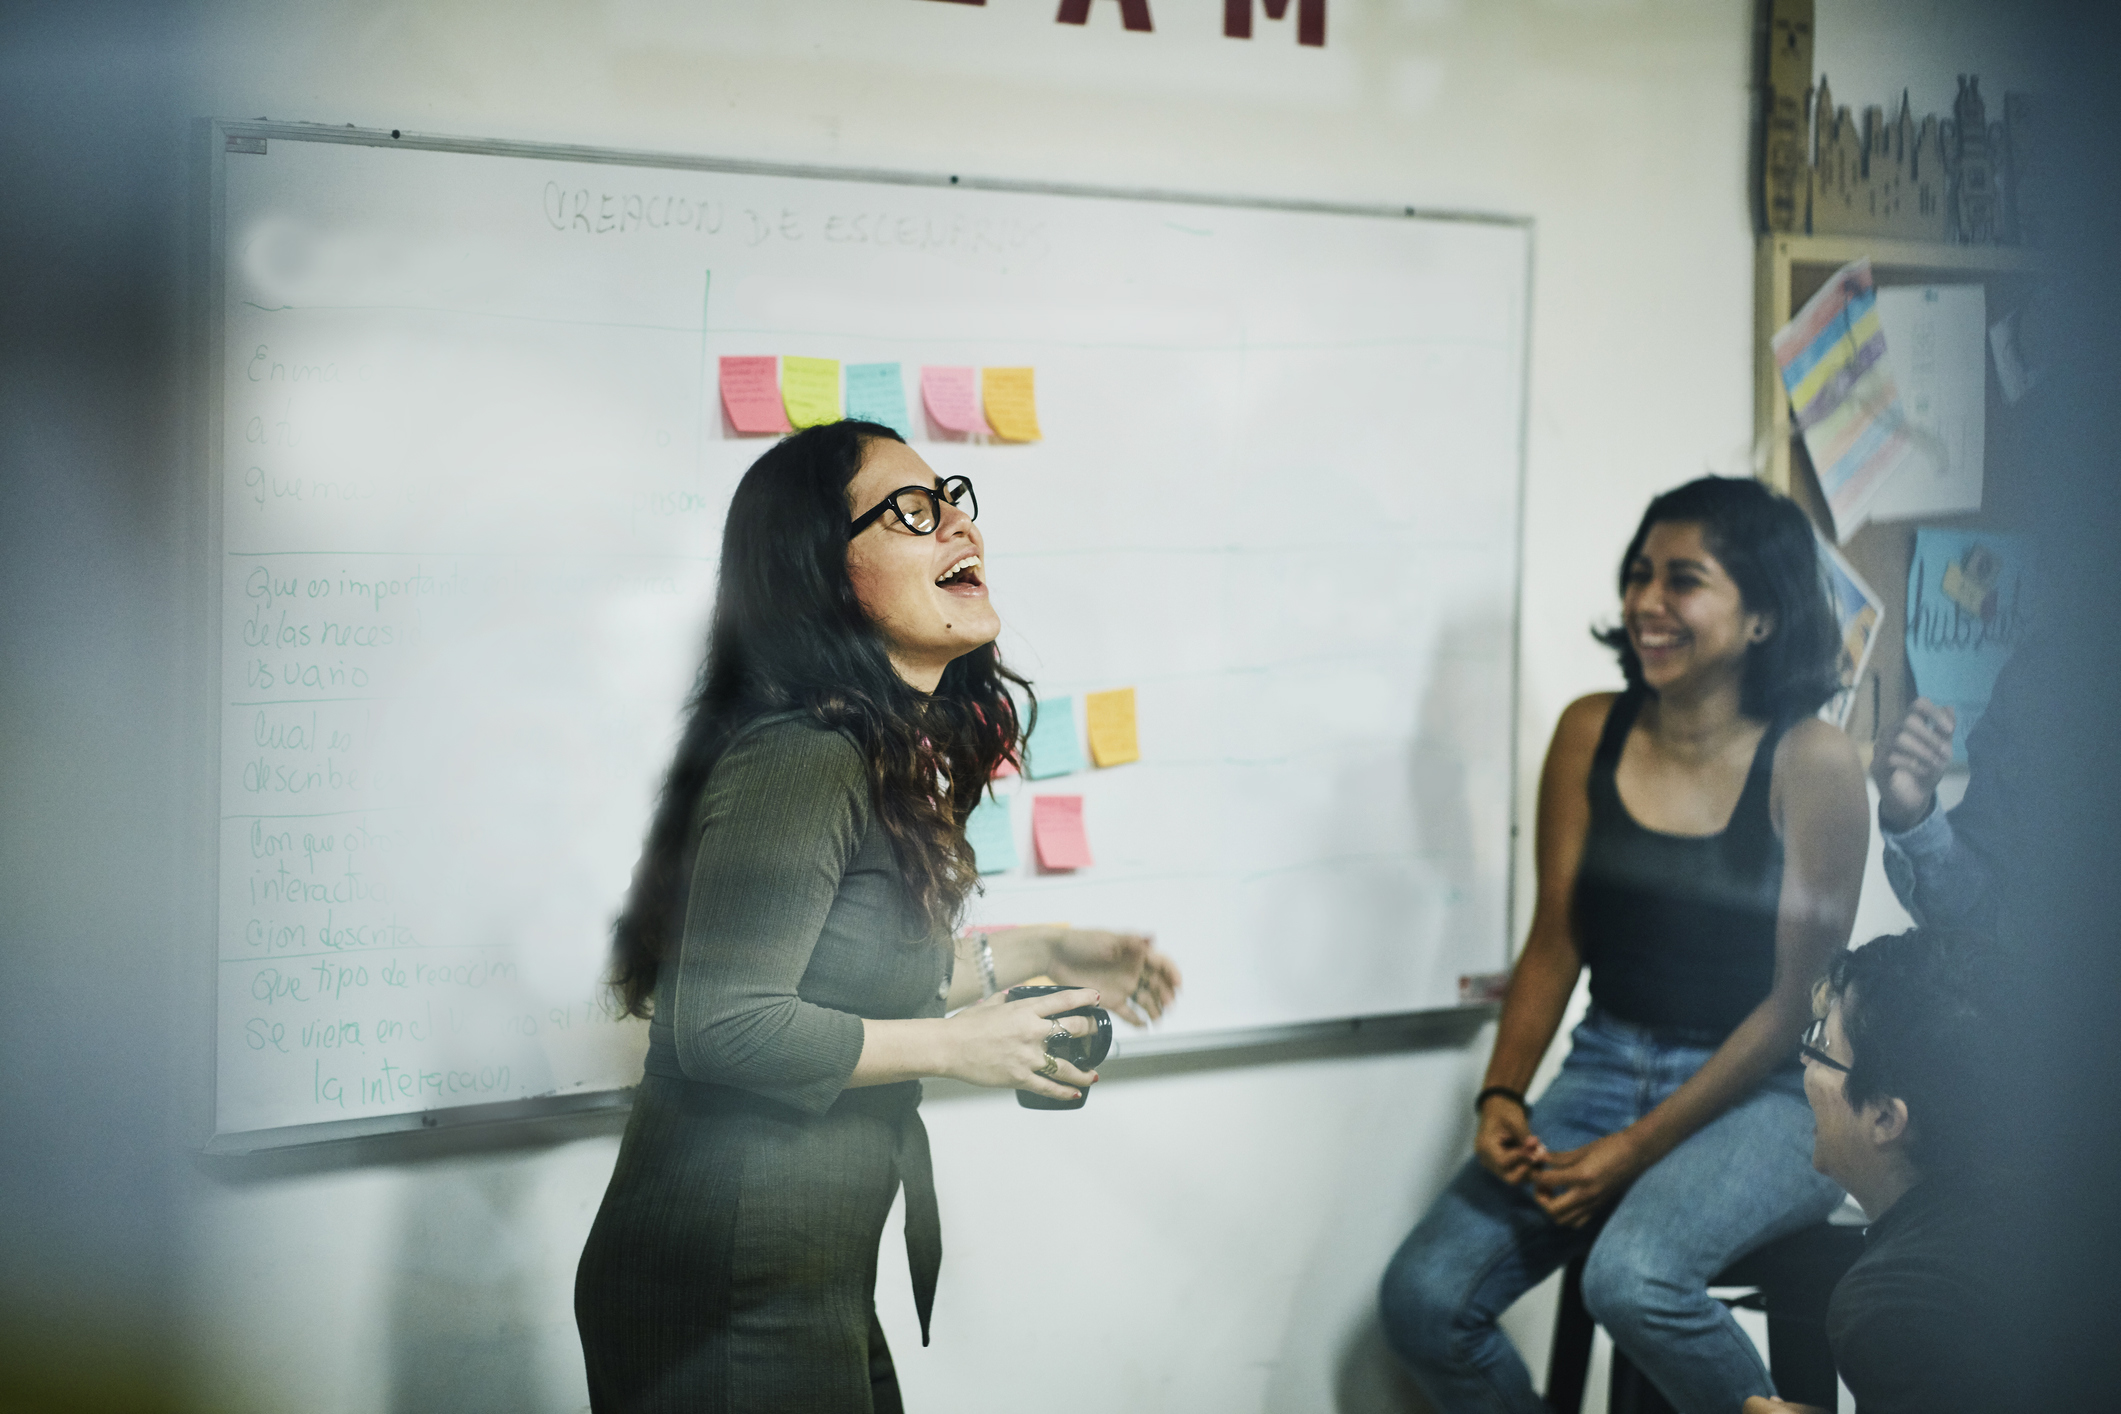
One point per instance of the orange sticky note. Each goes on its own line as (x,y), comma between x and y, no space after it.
(1111,717)
(1057,831)
(952,399)
(751,395)
(1012,408)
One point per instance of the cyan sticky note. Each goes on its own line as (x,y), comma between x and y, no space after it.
(876,392)
(1055,748)
(991,835)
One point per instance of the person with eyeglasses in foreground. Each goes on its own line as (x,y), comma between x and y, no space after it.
(789,937)
(1700,849)
(1904,1076)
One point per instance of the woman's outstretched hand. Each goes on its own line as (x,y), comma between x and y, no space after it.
(1125,966)
(1002,1044)
(1574,1186)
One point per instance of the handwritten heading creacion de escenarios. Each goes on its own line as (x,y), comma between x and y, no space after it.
(587,211)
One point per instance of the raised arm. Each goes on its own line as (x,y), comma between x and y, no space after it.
(1823,814)
(1546,972)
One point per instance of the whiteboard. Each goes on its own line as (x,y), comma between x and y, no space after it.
(467,469)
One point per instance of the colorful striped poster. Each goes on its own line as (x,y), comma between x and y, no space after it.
(1842,393)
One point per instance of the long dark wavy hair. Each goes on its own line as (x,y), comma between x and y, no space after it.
(1765,543)
(788,634)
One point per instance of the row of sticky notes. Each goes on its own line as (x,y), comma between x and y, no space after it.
(1056,833)
(767,395)
(1055,748)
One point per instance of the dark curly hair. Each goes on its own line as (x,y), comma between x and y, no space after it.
(788,634)
(1921,1010)
(1766,545)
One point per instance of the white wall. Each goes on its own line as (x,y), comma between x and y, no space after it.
(1205,1240)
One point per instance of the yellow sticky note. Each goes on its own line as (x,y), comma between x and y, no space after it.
(811,389)
(1012,408)
(1111,716)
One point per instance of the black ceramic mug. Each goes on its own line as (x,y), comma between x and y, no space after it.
(1082,1052)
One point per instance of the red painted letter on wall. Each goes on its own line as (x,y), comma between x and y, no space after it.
(1310,18)
(1134,14)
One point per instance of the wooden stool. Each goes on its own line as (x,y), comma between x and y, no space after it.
(1792,1279)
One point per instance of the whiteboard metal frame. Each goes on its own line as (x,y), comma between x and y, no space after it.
(1412,1030)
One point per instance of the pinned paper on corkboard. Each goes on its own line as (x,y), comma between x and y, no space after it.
(1011,404)
(1111,720)
(1858,612)
(952,399)
(751,395)
(1968,608)
(1057,830)
(1843,396)
(1936,336)
(811,389)
(876,392)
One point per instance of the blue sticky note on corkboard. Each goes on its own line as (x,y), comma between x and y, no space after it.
(1056,747)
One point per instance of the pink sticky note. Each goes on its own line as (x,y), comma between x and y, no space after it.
(952,399)
(1057,830)
(751,394)
(1006,769)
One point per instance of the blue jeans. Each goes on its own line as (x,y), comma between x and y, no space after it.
(1743,1179)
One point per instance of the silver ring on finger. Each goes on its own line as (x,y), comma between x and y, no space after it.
(1051,1068)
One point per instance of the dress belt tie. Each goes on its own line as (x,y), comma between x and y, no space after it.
(924,1222)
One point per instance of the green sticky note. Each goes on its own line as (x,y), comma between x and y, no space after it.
(876,392)
(992,837)
(810,387)
(1055,748)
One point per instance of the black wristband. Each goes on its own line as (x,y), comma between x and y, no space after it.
(1507,1093)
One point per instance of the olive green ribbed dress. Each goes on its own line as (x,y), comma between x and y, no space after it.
(732,1266)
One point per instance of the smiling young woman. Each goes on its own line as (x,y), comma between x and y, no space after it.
(1700,846)
(789,937)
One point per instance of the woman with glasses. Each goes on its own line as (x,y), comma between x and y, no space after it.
(789,937)
(1700,847)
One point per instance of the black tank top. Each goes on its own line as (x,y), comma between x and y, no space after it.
(1678,930)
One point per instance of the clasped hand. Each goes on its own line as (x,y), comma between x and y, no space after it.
(1572,1187)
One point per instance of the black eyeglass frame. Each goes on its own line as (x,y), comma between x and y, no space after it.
(937,496)
(1805,1047)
